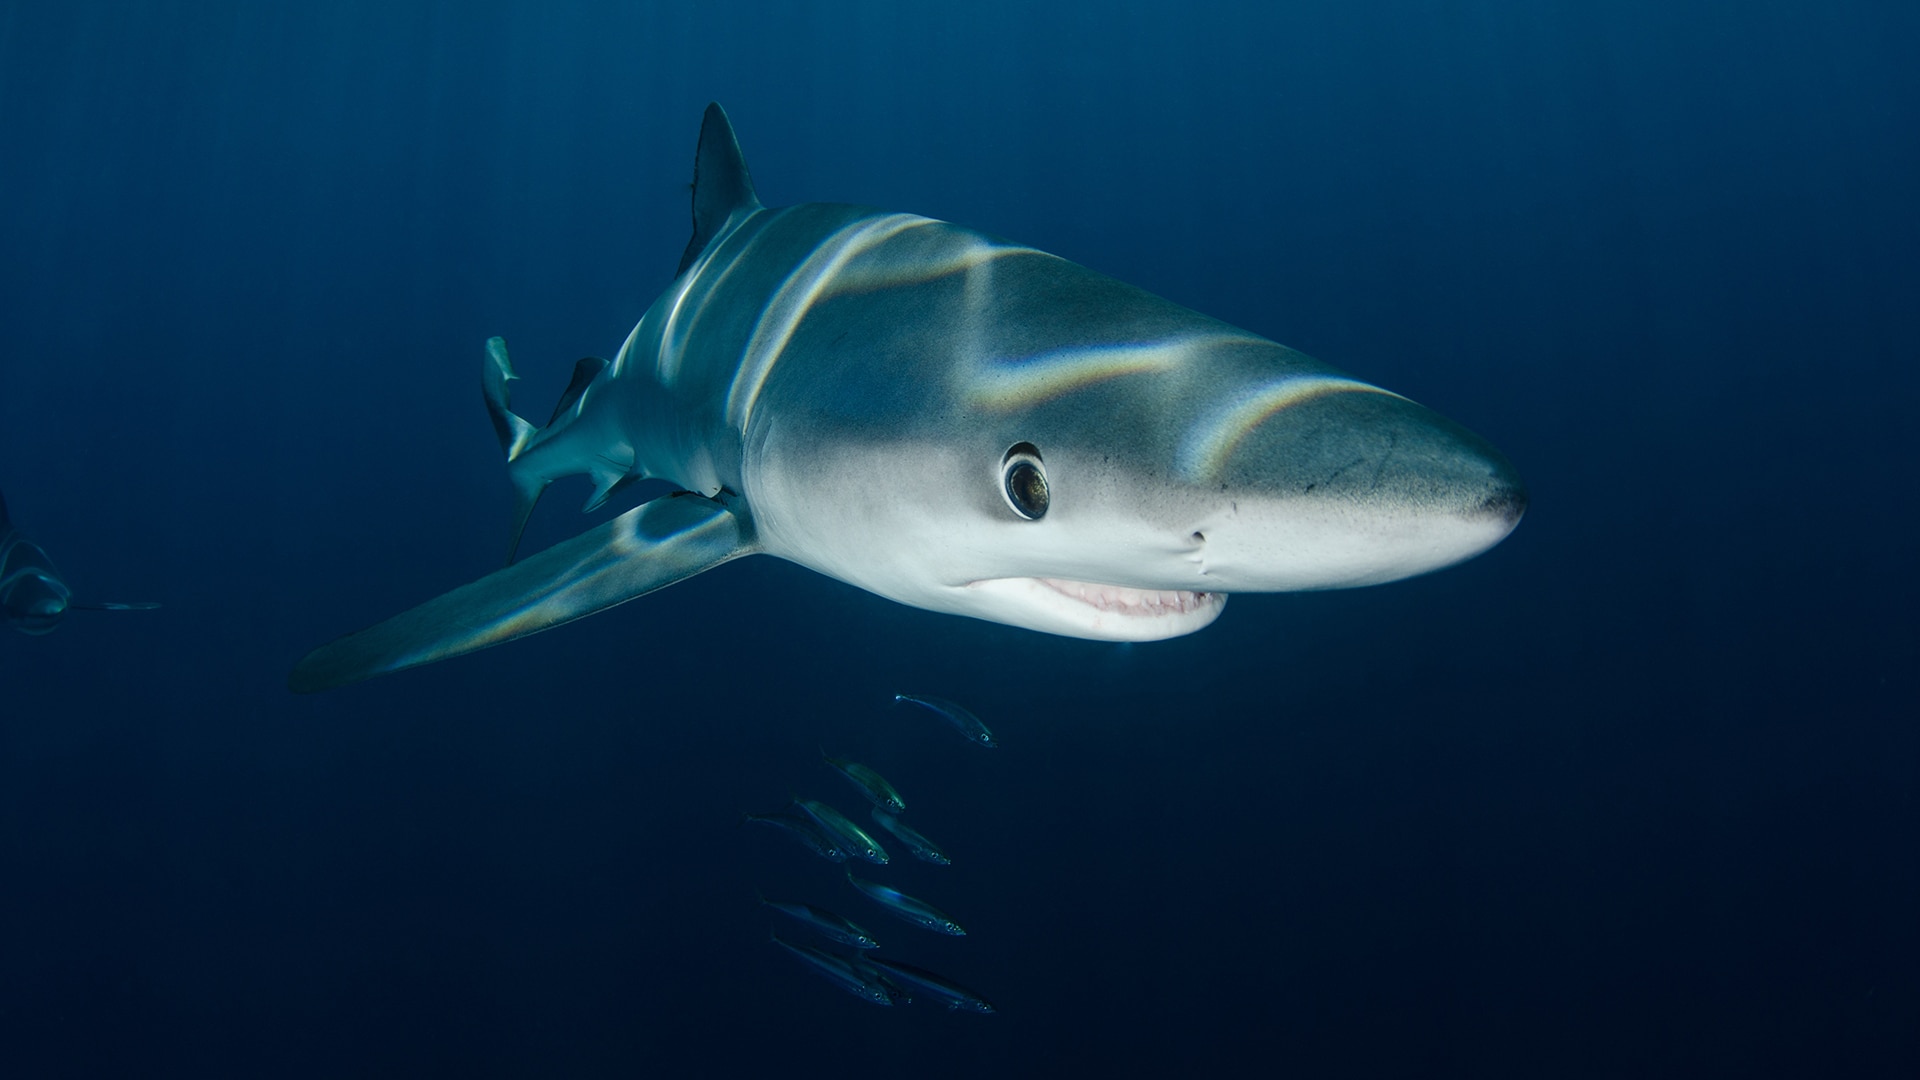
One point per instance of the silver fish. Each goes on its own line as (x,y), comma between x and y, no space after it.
(871,784)
(847,836)
(803,830)
(901,906)
(840,972)
(923,849)
(827,924)
(936,987)
(967,724)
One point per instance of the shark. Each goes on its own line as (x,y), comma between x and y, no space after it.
(33,595)
(958,423)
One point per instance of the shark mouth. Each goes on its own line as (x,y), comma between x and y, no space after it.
(1102,612)
(1147,603)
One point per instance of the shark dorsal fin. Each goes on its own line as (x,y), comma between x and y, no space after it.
(584,372)
(721,186)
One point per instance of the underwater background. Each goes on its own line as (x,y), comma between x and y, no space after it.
(1633,794)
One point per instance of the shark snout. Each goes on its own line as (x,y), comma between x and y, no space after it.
(1356,487)
(1507,501)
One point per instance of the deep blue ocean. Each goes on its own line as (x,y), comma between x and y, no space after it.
(1634,794)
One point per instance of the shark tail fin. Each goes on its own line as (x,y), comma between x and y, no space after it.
(722,189)
(515,435)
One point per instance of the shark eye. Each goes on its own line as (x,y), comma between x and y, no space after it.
(1023,480)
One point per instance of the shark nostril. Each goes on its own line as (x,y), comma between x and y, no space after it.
(1198,537)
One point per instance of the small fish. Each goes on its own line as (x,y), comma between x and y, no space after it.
(936,987)
(840,972)
(963,721)
(833,927)
(845,835)
(923,849)
(803,830)
(871,784)
(901,995)
(900,905)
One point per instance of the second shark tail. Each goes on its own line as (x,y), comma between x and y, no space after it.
(522,441)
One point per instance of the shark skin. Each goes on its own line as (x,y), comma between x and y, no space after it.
(961,424)
(33,595)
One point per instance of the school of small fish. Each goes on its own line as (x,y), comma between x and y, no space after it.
(833,836)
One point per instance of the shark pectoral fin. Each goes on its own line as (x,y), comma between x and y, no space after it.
(653,545)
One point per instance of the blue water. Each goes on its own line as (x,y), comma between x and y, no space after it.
(1633,794)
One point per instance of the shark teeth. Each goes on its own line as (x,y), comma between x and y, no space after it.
(1122,600)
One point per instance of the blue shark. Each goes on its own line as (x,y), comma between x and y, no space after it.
(33,595)
(958,423)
